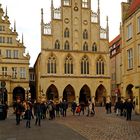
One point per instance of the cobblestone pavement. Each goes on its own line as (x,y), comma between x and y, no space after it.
(49,130)
(103,126)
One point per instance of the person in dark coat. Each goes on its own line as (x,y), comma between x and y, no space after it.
(38,114)
(18,110)
(129,106)
(73,107)
(64,107)
(28,115)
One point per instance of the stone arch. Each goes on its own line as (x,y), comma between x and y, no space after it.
(129,92)
(85,94)
(69,94)
(18,92)
(52,93)
(100,95)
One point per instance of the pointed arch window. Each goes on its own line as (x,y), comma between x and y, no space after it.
(100,64)
(57,44)
(94,47)
(85,65)
(51,65)
(85,3)
(66,46)
(66,33)
(85,47)
(85,34)
(68,68)
(66,2)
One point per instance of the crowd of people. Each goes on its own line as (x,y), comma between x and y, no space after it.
(41,110)
(50,109)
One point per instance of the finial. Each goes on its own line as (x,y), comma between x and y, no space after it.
(22,39)
(42,15)
(99,12)
(52,9)
(6,14)
(14,26)
(6,11)
(107,27)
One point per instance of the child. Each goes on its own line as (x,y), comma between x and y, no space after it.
(28,115)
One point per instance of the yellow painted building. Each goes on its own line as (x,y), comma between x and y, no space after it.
(14,63)
(130,34)
(74,60)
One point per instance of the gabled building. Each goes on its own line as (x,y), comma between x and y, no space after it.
(115,69)
(74,60)
(14,64)
(130,52)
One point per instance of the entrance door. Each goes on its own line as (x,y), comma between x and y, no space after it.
(19,92)
(100,96)
(69,94)
(84,95)
(52,93)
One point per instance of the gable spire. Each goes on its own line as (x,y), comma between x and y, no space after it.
(14,26)
(98,12)
(22,39)
(107,28)
(6,14)
(52,9)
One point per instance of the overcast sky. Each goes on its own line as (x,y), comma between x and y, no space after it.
(27,15)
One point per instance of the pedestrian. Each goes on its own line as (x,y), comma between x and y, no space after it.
(129,107)
(73,107)
(18,110)
(28,115)
(38,114)
(64,107)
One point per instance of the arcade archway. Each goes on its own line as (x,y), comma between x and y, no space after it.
(129,92)
(19,92)
(100,96)
(84,95)
(52,93)
(69,94)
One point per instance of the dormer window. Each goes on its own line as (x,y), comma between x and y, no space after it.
(85,3)
(66,2)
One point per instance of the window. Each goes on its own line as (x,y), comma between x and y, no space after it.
(129,31)
(100,66)
(66,46)
(4,71)
(139,24)
(14,72)
(22,72)
(68,68)
(130,58)
(67,2)
(2,39)
(8,53)
(85,47)
(57,44)
(2,28)
(94,47)
(85,34)
(9,40)
(85,3)
(66,32)
(52,65)
(85,65)
(139,54)
(15,54)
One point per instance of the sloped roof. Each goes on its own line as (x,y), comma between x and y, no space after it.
(134,6)
(117,38)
